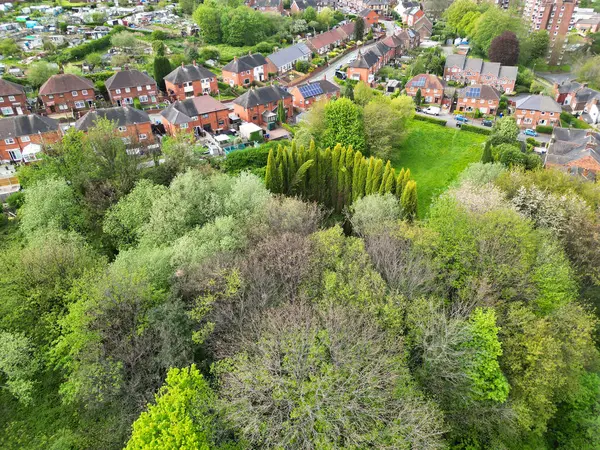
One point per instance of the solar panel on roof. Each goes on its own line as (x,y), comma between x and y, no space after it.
(310,90)
(473,92)
(419,83)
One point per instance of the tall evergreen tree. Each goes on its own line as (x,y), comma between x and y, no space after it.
(369,181)
(335,163)
(487,153)
(162,67)
(281,115)
(400,183)
(325,178)
(356,172)
(362,181)
(409,200)
(390,183)
(349,91)
(270,174)
(313,172)
(377,174)
(386,173)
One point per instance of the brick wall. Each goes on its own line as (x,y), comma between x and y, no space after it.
(179,89)
(118,95)
(254,115)
(12,102)
(53,102)
(214,120)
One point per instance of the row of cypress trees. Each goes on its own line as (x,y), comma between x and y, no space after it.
(336,177)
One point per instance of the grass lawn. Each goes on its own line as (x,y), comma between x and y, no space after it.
(435,155)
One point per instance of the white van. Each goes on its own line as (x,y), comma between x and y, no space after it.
(433,110)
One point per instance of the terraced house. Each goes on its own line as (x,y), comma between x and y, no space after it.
(575,151)
(478,97)
(285,59)
(195,115)
(369,63)
(67,93)
(23,137)
(260,106)
(537,110)
(461,69)
(244,70)
(125,86)
(190,81)
(309,93)
(13,100)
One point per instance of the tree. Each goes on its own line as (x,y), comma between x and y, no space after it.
(487,157)
(409,200)
(73,69)
(39,72)
(208,18)
(349,91)
(457,11)
(362,93)
(325,17)
(535,46)
(162,67)
(309,14)
(369,214)
(188,6)
(385,123)
(93,59)
(343,125)
(505,130)
(505,49)
(298,26)
(281,113)
(18,365)
(418,97)
(589,71)
(184,415)
(125,40)
(9,47)
(359,28)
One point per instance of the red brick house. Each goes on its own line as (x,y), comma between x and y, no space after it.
(324,42)
(195,114)
(124,86)
(244,70)
(22,137)
(575,151)
(461,69)
(307,94)
(13,100)
(267,5)
(537,110)
(478,97)
(423,27)
(260,105)
(397,45)
(432,88)
(369,16)
(66,92)
(364,67)
(190,81)
(132,125)
(412,16)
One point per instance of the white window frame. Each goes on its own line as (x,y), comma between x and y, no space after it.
(143,137)
(122,129)
(183,126)
(74,94)
(84,92)
(63,107)
(1,99)
(143,98)
(7,111)
(25,139)
(117,91)
(148,87)
(11,98)
(139,88)
(9,141)
(80,104)
(127,90)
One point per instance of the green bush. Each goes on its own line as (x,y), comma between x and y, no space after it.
(264,47)
(15,200)
(431,120)
(544,129)
(533,142)
(474,129)
(248,159)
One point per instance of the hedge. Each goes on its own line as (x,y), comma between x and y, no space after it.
(249,158)
(474,129)
(431,120)
(544,129)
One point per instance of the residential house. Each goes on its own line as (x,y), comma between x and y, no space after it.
(396,44)
(246,69)
(591,25)
(409,38)
(190,81)
(461,69)
(579,99)
(309,93)
(267,5)
(575,151)
(284,60)
(12,99)
(423,27)
(66,92)
(536,110)
(299,6)
(260,105)
(132,125)
(478,97)
(324,42)
(364,67)
(381,7)
(124,86)
(404,6)
(198,114)
(411,16)
(432,88)
(22,137)
(370,17)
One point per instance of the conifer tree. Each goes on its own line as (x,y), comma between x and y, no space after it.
(369,181)
(325,178)
(313,172)
(362,180)
(280,176)
(377,174)
(406,178)
(270,174)
(400,183)
(356,173)
(386,173)
(335,163)
(487,153)
(390,183)
(409,200)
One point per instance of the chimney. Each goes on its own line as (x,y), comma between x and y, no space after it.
(194,63)
(556,86)
(235,58)
(249,52)
(182,64)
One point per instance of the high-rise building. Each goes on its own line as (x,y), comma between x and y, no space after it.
(555,17)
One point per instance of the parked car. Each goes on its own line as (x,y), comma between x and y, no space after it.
(433,110)
(487,123)
(341,75)
(530,132)
(462,119)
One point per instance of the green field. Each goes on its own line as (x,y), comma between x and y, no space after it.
(435,155)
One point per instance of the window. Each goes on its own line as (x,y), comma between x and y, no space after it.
(143,98)
(25,139)
(84,92)
(7,111)
(11,98)
(79,105)
(527,120)
(1,99)
(139,88)
(543,113)
(15,155)
(148,87)
(247,80)
(127,90)
(183,126)
(74,93)
(117,91)
(122,129)
(143,137)
(205,116)
(9,141)
(551,113)
(195,118)
(63,107)
(221,122)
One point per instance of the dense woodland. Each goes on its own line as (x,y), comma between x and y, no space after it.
(186,306)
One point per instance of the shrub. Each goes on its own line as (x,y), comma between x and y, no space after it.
(250,158)
(531,141)
(264,47)
(544,129)
(474,129)
(15,200)
(431,120)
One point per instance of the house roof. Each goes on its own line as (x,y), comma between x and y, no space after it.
(508,72)
(10,88)
(303,4)
(289,54)
(17,126)
(346,30)
(430,81)
(365,60)
(455,61)
(570,145)
(246,62)
(365,12)
(423,22)
(474,64)
(121,115)
(539,103)
(479,91)
(380,49)
(262,96)
(316,88)
(393,41)
(329,37)
(585,94)
(492,68)
(267,3)
(182,74)
(65,82)
(183,111)
(566,87)
(378,2)
(128,79)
